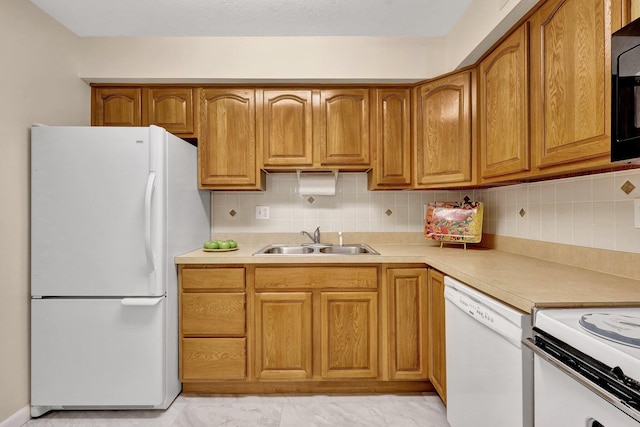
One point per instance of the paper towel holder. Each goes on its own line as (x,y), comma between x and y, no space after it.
(300,173)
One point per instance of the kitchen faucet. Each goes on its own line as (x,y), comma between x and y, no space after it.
(315,237)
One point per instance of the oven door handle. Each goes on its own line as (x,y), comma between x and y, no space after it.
(615,401)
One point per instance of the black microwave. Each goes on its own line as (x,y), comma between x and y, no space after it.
(625,94)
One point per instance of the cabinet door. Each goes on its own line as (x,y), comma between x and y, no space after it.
(286,127)
(408,344)
(443,132)
(227,145)
(170,108)
(210,359)
(343,127)
(437,343)
(504,108)
(113,106)
(570,83)
(349,334)
(283,347)
(391,136)
(213,314)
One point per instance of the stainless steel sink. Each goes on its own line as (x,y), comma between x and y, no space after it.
(316,250)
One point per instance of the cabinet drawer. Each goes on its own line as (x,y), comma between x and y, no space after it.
(212,278)
(316,277)
(213,359)
(213,314)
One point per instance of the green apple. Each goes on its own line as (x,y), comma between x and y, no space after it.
(224,245)
(211,244)
(232,244)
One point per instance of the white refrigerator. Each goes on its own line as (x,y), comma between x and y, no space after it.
(110,208)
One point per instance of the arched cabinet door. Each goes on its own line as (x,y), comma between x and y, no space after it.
(285,127)
(116,106)
(504,109)
(443,151)
(571,84)
(170,108)
(227,144)
(343,127)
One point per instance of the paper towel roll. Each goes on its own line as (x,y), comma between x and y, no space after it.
(317,184)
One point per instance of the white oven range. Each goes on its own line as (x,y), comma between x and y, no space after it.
(586,367)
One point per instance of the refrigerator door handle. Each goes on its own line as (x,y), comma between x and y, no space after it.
(140,302)
(147,221)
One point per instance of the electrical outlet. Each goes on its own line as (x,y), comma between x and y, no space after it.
(262,212)
(636,212)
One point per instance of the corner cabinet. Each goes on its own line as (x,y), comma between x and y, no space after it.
(571,85)
(390,139)
(504,109)
(443,152)
(227,147)
(437,335)
(408,323)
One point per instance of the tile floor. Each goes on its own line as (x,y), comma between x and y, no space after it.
(420,409)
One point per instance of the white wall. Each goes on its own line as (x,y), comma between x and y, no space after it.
(40,84)
(590,211)
(202,59)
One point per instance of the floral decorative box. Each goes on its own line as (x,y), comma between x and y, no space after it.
(454,222)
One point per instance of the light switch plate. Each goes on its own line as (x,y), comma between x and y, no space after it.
(636,212)
(262,212)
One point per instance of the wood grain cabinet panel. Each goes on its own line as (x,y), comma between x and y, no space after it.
(349,330)
(407,318)
(207,279)
(443,150)
(437,333)
(285,126)
(571,84)
(210,359)
(283,335)
(227,145)
(316,277)
(504,109)
(115,106)
(391,139)
(342,131)
(169,107)
(213,314)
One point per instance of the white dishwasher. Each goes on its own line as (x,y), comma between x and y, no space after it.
(489,371)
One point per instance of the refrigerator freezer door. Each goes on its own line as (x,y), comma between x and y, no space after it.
(97,352)
(96,195)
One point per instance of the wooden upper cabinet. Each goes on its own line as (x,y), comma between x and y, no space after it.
(342,131)
(227,144)
(571,84)
(504,109)
(391,139)
(115,106)
(170,108)
(285,127)
(443,151)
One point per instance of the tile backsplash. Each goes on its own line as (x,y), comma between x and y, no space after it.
(591,211)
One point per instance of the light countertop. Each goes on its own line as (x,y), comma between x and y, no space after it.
(520,281)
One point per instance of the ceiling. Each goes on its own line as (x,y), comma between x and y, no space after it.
(265,18)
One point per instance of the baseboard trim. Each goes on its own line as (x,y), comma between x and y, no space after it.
(18,418)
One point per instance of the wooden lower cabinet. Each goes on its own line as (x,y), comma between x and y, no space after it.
(437,339)
(349,331)
(303,328)
(283,335)
(407,317)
